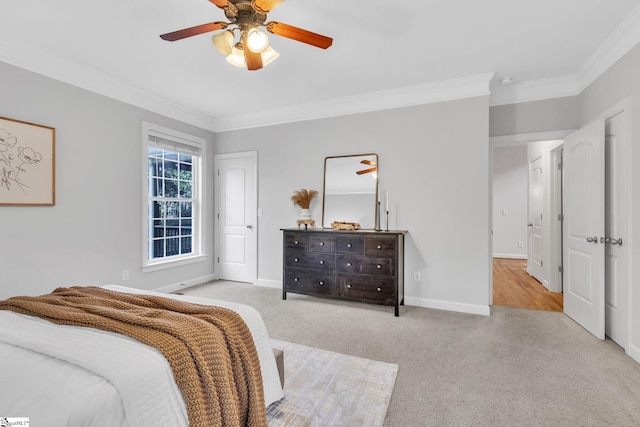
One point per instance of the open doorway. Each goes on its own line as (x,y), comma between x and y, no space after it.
(518,244)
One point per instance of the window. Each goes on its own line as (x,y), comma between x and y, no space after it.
(172,180)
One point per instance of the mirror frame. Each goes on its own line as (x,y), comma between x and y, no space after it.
(376,186)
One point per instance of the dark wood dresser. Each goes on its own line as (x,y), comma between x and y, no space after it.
(362,265)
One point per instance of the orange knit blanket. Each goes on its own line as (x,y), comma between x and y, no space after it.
(210,349)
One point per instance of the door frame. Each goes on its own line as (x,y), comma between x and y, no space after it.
(252,155)
(621,107)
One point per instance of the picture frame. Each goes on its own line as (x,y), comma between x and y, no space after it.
(27,163)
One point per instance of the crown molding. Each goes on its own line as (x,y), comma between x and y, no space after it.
(41,62)
(621,41)
(535,90)
(450,90)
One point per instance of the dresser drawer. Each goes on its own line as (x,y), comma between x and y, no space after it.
(365,265)
(379,290)
(380,246)
(350,245)
(310,260)
(297,241)
(322,244)
(309,282)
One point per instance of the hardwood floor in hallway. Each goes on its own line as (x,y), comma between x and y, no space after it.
(514,287)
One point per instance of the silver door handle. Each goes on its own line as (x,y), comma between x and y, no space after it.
(592,239)
(613,241)
(530,225)
(250,227)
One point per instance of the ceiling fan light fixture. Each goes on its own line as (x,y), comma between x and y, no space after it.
(257,41)
(268,55)
(237,56)
(223,42)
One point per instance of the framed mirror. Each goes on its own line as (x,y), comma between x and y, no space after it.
(350,190)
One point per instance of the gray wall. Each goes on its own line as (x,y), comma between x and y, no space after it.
(536,116)
(510,176)
(434,163)
(94,230)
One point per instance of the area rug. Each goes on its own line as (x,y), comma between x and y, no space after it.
(327,389)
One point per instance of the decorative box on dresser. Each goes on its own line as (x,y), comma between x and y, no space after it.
(361,265)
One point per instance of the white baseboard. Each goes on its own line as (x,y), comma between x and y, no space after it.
(633,352)
(511,256)
(187,283)
(276,284)
(483,310)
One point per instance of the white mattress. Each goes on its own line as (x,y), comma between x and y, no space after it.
(70,376)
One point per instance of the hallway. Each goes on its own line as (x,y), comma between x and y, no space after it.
(514,287)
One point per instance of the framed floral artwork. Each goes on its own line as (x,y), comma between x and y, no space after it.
(27,163)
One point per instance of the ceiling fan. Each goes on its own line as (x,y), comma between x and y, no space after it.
(373,168)
(252,49)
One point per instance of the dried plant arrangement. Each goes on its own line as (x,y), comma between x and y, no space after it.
(303,197)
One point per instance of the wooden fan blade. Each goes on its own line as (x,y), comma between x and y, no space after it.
(368,162)
(254,60)
(362,172)
(220,3)
(265,5)
(193,31)
(299,34)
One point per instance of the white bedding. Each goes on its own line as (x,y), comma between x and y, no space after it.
(70,376)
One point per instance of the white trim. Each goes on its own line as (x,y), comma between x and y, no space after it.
(483,310)
(216,219)
(535,90)
(621,41)
(186,284)
(450,90)
(199,199)
(624,107)
(511,256)
(634,352)
(523,138)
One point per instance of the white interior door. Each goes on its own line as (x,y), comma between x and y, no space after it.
(535,225)
(583,206)
(616,299)
(237,201)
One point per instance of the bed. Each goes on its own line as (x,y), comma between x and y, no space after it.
(59,375)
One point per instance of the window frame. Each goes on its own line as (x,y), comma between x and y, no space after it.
(190,142)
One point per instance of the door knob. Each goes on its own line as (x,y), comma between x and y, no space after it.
(530,224)
(613,241)
(592,239)
(250,227)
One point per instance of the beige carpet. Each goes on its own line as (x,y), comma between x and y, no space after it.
(323,388)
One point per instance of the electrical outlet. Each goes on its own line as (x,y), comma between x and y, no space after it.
(417,276)
(520,244)
(125,275)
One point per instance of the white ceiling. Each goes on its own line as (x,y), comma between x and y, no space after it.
(385,53)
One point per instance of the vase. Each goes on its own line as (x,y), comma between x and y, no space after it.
(305,214)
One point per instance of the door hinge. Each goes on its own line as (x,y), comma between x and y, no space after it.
(218,215)
(218,260)
(541,263)
(560,269)
(560,217)
(560,165)
(218,172)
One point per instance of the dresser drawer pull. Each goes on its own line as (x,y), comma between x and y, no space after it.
(321,283)
(295,242)
(379,289)
(321,243)
(349,285)
(296,280)
(349,245)
(296,259)
(349,264)
(322,262)
(379,247)
(378,266)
